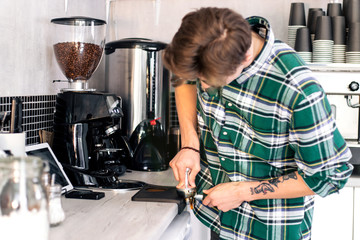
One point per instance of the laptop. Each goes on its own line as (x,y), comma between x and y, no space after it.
(44,152)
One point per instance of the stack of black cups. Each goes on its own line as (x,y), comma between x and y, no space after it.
(333,37)
(339,34)
(296,20)
(311,23)
(303,45)
(352,17)
(323,42)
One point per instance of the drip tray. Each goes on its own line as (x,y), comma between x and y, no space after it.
(125,185)
(155,193)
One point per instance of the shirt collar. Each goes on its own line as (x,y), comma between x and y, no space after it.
(211,92)
(262,27)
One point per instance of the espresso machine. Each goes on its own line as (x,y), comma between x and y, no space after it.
(341,83)
(87,123)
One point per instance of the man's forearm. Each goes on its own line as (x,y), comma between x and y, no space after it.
(185,96)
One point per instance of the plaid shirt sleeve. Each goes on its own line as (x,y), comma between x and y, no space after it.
(321,152)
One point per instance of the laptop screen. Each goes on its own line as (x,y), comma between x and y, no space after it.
(44,151)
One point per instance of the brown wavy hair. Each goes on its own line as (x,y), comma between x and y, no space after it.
(211,42)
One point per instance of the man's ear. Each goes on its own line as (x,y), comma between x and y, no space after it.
(248,57)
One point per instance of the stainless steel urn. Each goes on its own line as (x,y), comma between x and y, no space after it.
(134,71)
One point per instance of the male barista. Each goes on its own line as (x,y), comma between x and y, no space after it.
(268,141)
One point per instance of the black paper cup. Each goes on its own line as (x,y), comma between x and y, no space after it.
(351,11)
(312,19)
(334,9)
(339,32)
(353,44)
(323,29)
(303,40)
(297,14)
(310,13)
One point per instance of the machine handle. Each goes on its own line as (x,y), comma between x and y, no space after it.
(126,142)
(348,101)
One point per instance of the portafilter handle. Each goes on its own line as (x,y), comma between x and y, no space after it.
(187,177)
(187,193)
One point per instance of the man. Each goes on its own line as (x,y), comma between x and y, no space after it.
(268,141)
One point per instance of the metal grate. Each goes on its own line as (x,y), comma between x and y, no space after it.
(38,114)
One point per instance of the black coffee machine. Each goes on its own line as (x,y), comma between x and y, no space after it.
(87,123)
(87,138)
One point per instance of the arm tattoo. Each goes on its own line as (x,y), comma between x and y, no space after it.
(262,188)
(274,181)
(265,187)
(290,176)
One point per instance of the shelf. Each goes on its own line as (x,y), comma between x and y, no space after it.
(334,67)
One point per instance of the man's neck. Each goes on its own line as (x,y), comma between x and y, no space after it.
(257,45)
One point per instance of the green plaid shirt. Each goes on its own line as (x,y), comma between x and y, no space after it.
(272,120)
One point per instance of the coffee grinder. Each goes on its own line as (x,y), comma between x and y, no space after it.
(87,123)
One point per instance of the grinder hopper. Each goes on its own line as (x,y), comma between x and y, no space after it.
(78,46)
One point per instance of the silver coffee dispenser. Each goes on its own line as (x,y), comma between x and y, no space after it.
(134,71)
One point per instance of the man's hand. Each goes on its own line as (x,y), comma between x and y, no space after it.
(226,196)
(186,158)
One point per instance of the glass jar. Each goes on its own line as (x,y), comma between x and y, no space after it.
(23,202)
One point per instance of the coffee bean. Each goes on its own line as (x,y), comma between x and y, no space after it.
(78,60)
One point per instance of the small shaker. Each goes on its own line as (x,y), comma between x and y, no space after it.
(56,212)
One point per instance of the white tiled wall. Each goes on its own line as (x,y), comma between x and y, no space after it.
(27,65)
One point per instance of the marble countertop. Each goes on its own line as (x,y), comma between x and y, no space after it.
(117,217)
